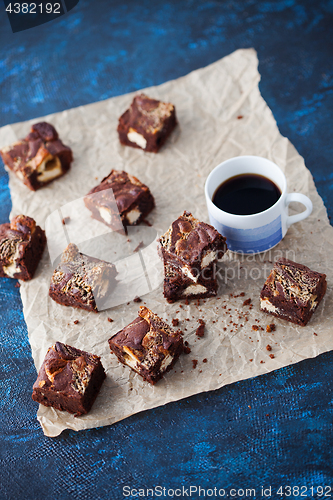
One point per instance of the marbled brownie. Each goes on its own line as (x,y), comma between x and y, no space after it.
(39,158)
(190,246)
(22,243)
(148,345)
(69,379)
(292,291)
(82,281)
(120,194)
(178,286)
(147,123)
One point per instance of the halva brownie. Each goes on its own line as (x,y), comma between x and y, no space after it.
(82,281)
(39,158)
(292,291)
(178,286)
(69,379)
(22,243)
(147,123)
(133,200)
(148,345)
(189,250)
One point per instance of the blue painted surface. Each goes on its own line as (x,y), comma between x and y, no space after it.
(106,48)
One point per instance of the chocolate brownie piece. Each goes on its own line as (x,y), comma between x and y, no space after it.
(190,245)
(21,247)
(133,200)
(69,379)
(148,345)
(82,281)
(39,158)
(292,291)
(147,123)
(178,286)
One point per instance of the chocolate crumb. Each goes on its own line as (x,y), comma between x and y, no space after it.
(250,359)
(76,322)
(255,328)
(140,245)
(268,347)
(194,363)
(186,349)
(267,414)
(272,356)
(205,360)
(137,299)
(316,334)
(249,406)
(66,220)
(175,322)
(110,320)
(262,361)
(268,329)
(239,117)
(201,328)
(247,302)
(17,285)
(272,325)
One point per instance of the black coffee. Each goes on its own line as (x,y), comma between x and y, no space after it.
(246,194)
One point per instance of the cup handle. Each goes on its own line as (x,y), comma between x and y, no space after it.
(301,198)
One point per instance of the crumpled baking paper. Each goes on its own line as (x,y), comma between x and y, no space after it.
(221,114)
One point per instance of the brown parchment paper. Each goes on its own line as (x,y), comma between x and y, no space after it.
(221,114)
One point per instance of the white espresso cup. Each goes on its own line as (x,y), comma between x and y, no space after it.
(257,232)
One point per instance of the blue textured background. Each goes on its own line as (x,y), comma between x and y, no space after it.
(105,48)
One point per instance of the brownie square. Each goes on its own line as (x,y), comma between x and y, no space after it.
(39,158)
(22,243)
(292,291)
(190,246)
(133,200)
(148,345)
(178,286)
(147,123)
(69,379)
(82,281)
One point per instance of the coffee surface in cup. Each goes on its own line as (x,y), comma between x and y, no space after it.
(246,194)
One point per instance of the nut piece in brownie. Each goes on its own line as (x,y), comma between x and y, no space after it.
(69,379)
(133,200)
(82,281)
(148,345)
(39,158)
(292,291)
(21,247)
(147,123)
(178,286)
